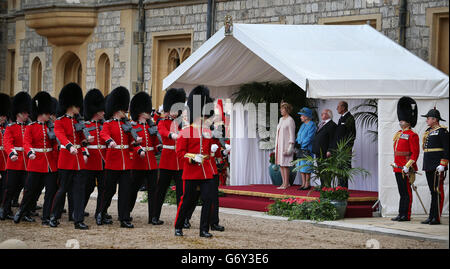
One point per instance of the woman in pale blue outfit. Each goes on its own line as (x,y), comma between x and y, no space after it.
(304,139)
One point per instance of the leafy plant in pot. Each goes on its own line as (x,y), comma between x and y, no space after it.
(326,170)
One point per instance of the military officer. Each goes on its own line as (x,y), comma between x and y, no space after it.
(435,162)
(406,152)
(194,145)
(41,166)
(16,165)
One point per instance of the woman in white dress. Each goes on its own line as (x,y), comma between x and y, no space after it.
(284,145)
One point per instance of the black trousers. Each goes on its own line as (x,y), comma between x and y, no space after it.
(406,196)
(33,188)
(15,179)
(343,182)
(435,184)
(214,219)
(165,177)
(2,179)
(123,178)
(147,177)
(95,178)
(74,182)
(207,187)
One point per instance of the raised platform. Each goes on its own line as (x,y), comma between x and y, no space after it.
(259,197)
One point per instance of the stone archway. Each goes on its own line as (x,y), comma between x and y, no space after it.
(103,77)
(69,70)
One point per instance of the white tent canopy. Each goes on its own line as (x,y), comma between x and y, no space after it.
(328,62)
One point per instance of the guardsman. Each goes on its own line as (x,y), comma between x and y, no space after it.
(406,152)
(194,144)
(5,106)
(72,157)
(170,165)
(17,159)
(118,138)
(144,165)
(41,167)
(94,112)
(435,163)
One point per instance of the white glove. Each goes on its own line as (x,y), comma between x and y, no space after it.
(440,168)
(214,148)
(85,158)
(14,158)
(32,156)
(160,109)
(142,154)
(90,139)
(73,151)
(405,170)
(174,136)
(112,144)
(227,147)
(198,158)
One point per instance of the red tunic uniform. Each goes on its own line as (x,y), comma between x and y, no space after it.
(189,143)
(406,148)
(36,141)
(97,148)
(3,155)
(13,143)
(117,158)
(217,154)
(149,146)
(169,159)
(66,134)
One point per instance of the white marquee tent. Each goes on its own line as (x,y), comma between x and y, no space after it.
(328,62)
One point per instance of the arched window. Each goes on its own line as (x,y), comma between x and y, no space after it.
(103,73)
(186,54)
(174,60)
(71,71)
(36,76)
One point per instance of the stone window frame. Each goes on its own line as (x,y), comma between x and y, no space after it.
(109,52)
(9,61)
(431,18)
(332,20)
(41,57)
(157,37)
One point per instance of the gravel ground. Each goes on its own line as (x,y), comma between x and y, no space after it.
(241,232)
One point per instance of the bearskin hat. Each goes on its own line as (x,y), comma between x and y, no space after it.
(20,103)
(107,116)
(172,97)
(5,104)
(54,106)
(93,102)
(41,104)
(407,110)
(118,99)
(201,95)
(70,95)
(141,102)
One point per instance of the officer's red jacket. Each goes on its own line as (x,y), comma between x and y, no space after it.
(66,134)
(216,155)
(189,142)
(37,142)
(117,158)
(148,145)
(96,149)
(169,159)
(13,144)
(3,155)
(406,148)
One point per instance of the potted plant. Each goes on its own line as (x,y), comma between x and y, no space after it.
(326,170)
(275,174)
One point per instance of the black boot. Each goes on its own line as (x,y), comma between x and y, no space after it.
(427,221)
(28,218)
(126,224)
(107,216)
(205,234)
(403,218)
(53,222)
(217,227)
(46,222)
(396,218)
(178,232)
(81,226)
(434,221)
(18,216)
(2,214)
(186,224)
(156,221)
(99,219)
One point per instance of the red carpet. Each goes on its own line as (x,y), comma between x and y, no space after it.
(258,197)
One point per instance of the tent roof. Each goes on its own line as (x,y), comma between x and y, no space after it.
(328,61)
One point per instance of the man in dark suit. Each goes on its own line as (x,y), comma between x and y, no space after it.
(345,129)
(324,137)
